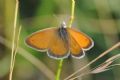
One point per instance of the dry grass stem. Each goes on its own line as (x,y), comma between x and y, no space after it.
(94,60)
(16,48)
(105,66)
(36,62)
(13,41)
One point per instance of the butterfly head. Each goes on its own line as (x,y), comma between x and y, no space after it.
(63,25)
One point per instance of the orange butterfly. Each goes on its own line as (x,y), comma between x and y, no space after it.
(60,42)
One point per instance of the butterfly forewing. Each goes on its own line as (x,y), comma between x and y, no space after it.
(40,40)
(83,40)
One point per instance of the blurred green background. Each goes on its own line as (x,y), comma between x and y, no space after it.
(100,19)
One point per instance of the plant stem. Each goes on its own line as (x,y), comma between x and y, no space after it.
(16,48)
(94,60)
(13,42)
(69,25)
(72,13)
(59,69)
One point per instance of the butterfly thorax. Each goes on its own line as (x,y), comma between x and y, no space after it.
(63,34)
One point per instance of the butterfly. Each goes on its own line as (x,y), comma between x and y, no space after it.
(60,42)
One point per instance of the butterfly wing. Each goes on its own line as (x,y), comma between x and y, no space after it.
(40,40)
(75,49)
(83,40)
(58,47)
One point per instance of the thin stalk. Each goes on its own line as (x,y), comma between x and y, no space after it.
(32,59)
(13,41)
(69,25)
(94,60)
(72,13)
(59,69)
(17,43)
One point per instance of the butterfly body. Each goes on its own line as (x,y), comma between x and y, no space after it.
(60,42)
(63,34)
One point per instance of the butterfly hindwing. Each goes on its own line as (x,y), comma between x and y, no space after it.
(58,47)
(40,40)
(75,49)
(83,40)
